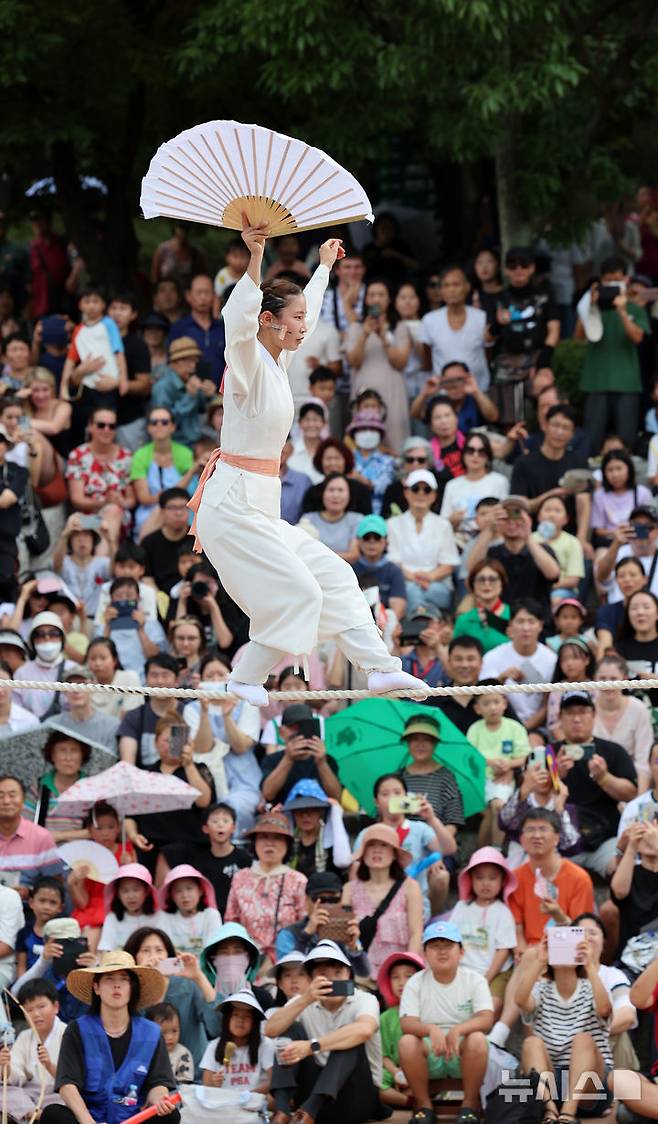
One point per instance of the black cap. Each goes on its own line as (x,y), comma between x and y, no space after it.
(297,712)
(323,882)
(520,253)
(644,511)
(156,320)
(576,698)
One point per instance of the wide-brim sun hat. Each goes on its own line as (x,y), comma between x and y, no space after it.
(328,950)
(152,984)
(130,870)
(293,958)
(486,855)
(381,833)
(185,870)
(271,823)
(244,995)
(422,724)
(307,794)
(384,973)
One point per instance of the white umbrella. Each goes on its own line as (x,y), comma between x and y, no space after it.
(130,791)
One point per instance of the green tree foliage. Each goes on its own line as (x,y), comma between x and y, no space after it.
(561,95)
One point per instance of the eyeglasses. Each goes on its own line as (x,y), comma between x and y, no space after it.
(159,421)
(176,507)
(482,579)
(421,489)
(415,460)
(105,425)
(475,450)
(371,537)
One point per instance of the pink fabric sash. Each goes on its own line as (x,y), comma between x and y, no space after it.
(260,465)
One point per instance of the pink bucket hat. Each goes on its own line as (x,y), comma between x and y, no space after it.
(185,871)
(130,870)
(486,855)
(384,974)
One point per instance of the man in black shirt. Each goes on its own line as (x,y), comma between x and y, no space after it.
(162,547)
(13,480)
(302,758)
(527,328)
(598,775)
(537,475)
(531,567)
(203,597)
(132,405)
(463,668)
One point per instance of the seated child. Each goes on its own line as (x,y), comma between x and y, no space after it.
(394,973)
(129,899)
(240,1058)
(82,559)
(552,518)
(49,968)
(535,790)
(485,920)
(46,900)
(446,1012)
(33,1059)
(167,1018)
(504,743)
(569,619)
(189,910)
(291,979)
(103,825)
(219,861)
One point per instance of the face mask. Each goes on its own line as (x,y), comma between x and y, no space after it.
(231,972)
(367,439)
(48,650)
(547,529)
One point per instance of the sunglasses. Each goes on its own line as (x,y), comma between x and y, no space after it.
(105,425)
(47,634)
(518,263)
(423,489)
(478,450)
(415,460)
(159,421)
(372,537)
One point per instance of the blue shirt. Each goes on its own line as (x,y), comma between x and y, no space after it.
(188,409)
(379,469)
(390,578)
(211,341)
(294,486)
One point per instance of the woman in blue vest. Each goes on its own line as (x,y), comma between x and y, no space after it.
(112,1063)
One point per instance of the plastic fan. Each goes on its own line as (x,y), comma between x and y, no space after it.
(215,172)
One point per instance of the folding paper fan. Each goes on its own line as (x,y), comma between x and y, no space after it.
(215,172)
(101,863)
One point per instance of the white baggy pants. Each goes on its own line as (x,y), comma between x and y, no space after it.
(295,590)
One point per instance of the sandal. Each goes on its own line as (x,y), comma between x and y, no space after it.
(567,1118)
(467,1116)
(550,1112)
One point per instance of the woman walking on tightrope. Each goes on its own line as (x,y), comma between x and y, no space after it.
(294,589)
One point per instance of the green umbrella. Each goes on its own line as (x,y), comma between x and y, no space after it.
(366,742)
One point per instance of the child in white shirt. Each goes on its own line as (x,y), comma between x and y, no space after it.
(485,920)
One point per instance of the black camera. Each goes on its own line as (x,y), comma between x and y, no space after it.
(607,295)
(199,590)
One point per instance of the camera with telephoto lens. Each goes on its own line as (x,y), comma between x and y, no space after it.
(199,590)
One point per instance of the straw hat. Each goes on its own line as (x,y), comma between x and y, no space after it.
(152,984)
(380,833)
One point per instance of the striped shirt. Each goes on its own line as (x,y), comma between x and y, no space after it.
(442,793)
(557,1020)
(31,850)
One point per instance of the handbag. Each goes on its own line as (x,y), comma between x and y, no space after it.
(34,531)
(368,925)
(54,493)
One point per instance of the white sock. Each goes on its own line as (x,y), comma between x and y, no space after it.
(499,1034)
(249,692)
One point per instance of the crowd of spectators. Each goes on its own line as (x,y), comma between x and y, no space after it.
(500,533)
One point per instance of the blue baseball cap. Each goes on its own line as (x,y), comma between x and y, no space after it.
(372,525)
(441,930)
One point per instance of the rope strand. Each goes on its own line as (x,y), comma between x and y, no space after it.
(320,696)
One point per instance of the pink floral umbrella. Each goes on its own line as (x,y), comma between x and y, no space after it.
(131,791)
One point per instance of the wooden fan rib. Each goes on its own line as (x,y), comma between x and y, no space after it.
(214,197)
(334,222)
(267,162)
(253,156)
(296,168)
(325,202)
(236,181)
(283,160)
(230,189)
(244,165)
(210,174)
(318,187)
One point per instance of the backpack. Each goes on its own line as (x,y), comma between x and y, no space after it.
(515,1101)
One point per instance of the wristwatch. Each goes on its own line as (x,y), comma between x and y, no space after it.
(315,1046)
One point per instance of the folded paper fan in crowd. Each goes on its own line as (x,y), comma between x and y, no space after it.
(100,863)
(216,172)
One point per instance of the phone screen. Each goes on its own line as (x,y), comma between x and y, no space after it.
(309,727)
(177,739)
(342,987)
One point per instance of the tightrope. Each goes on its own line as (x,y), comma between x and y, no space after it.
(321,696)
